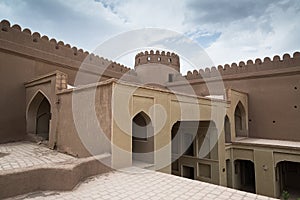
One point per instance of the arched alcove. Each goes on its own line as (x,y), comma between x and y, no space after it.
(38,116)
(240,120)
(227,130)
(142,138)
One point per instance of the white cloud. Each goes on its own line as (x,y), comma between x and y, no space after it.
(229,31)
(250,39)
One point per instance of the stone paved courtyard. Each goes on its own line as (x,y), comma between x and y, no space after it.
(135,183)
(26,154)
(130,183)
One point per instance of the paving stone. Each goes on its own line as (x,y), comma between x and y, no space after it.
(130,183)
(27,154)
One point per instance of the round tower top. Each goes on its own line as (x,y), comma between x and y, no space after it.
(169,59)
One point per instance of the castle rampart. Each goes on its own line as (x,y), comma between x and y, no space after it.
(31,41)
(247,67)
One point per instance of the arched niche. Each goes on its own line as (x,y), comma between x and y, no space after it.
(38,116)
(240,120)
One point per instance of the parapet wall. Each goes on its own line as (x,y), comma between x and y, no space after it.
(170,59)
(34,40)
(257,66)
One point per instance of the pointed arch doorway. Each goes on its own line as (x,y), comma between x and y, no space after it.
(142,139)
(39,116)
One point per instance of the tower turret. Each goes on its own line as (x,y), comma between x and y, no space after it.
(169,59)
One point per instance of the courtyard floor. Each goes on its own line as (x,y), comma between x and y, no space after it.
(20,155)
(130,183)
(136,183)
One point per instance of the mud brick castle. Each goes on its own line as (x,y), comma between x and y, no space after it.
(252,144)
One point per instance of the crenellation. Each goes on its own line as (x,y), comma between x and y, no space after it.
(286,56)
(53,41)
(74,51)
(61,43)
(5,25)
(258,65)
(29,39)
(296,55)
(169,59)
(16,27)
(36,37)
(207,70)
(220,67)
(249,62)
(195,73)
(214,71)
(267,60)
(257,61)
(45,38)
(276,58)
(27,31)
(242,64)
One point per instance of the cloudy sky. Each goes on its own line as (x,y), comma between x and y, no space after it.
(228,31)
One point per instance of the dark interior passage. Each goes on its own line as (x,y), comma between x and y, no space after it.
(142,138)
(42,119)
(288,176)
(245,175)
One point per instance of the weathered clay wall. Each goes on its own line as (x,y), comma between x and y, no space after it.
(274,93)
(24,56)
(77,129)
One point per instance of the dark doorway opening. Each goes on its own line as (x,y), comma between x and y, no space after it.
(43,119)
(245,174)
(229,173)
(38,118)
(142,139)
(288,176)
(188,172)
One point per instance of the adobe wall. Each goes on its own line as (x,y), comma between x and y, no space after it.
(172,108)
(76,133)
(273,87)
(44,86)
(24,56)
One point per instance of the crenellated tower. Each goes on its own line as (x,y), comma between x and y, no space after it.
(168,59)
(157,68)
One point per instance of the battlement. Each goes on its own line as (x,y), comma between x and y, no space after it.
(15,34)
(170,59)
(257,66)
